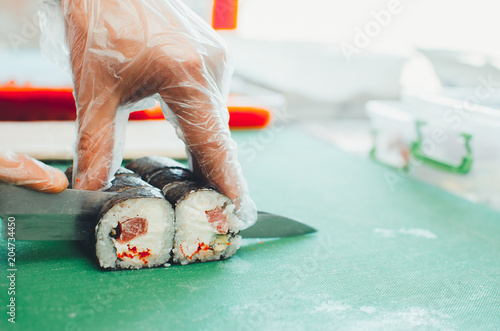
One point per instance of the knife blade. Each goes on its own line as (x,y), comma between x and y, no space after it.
(69,215)
(274,226)
(72,215)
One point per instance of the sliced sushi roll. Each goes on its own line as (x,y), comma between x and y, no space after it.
(135,227)
(206,225)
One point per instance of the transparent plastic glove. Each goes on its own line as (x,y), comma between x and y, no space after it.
(122,51)
(22,170)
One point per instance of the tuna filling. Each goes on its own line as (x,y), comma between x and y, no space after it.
(217,220)
(130,229)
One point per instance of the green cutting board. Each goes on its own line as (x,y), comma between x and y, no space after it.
(411,258)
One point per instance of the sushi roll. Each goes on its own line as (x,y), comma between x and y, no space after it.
(206,225)
(135,228)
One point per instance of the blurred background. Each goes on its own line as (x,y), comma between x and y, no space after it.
(413,85)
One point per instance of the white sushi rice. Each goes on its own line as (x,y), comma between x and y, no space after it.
(158,239)
(196,240)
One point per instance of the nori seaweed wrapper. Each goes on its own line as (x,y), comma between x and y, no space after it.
(128,184)
(149,166)
(174,180)
(124,172)
(177,191)
(163,176)
(121,172)
(124,183)
(130,193)
(69,175)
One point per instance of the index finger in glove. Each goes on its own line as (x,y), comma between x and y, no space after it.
(95,146)
(20,169)
(96,100)
(197,105)
(194,95)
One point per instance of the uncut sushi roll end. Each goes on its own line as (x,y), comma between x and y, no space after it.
(135,228)
(206,223)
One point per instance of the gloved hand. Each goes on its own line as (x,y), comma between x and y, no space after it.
(122,51)
(20,169)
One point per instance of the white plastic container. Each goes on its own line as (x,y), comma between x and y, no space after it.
(460,68)
(441,141)
(318,72)
(393,129)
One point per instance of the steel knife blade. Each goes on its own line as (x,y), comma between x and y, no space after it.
(274,226)
(69,215)
(72,215)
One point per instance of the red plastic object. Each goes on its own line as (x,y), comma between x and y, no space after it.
(36,104)
(248,117)
(154,113)
(225,14)
(27,103)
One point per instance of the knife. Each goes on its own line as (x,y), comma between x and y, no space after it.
(72,215)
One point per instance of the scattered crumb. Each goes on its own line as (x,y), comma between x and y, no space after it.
(331,306)
(412,318)
(385,232)
(389,233)
(418,233)
(368,310)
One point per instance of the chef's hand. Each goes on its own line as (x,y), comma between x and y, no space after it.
(20,169)
(122,51)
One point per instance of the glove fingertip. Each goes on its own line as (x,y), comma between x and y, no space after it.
(59,182)
(54,182)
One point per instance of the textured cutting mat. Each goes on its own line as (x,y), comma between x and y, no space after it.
(54,140)
(416,258)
